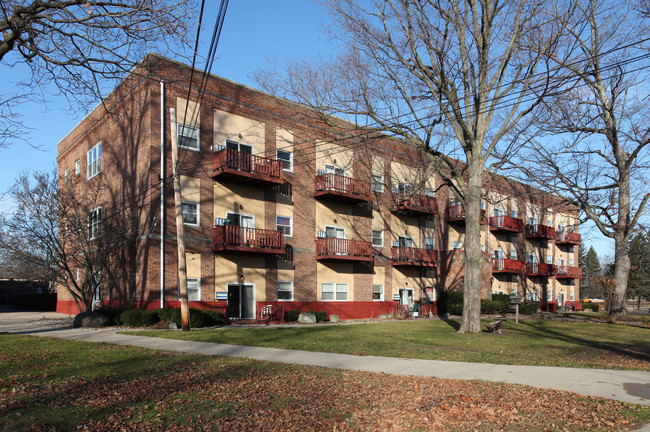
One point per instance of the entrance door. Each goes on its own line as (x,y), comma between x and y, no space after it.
(244,159)
(406,297)
(560,300)
(241,301)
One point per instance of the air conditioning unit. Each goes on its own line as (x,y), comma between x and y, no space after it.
(322,234)
(219,221)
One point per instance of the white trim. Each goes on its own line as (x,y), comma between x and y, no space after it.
(95,223)
(198,281)
(290,225)
(335,291)
(242,214)
(381,237)
(278,290)
(381,298)
(283,160)
(337,228)
(94,167)
(185,127)
(379,182)
(198,214)
(77,167)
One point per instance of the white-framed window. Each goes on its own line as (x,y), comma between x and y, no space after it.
(193,289)
(94,157)
(560,262)
(405,241)
(532,221)
(458,245)
(334,292)
(190,213)
(498,212)
(570,262)
(483,248)
(429,243)
(377,183)
(66,175)
(78,276)
(284,224)
(549,259)
(334,232)
(549,295)
(188,137)
(285,291)
(513,254)
(498,254)
(513,214)
(241,219)
(95,223)
(378,292)
(77,167)
(571,295)
(378,238)
(286,157)
(430,293)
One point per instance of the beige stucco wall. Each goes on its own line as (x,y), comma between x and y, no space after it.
(190,189)
(229,198)
(407,277)
(284,139)
(188,113)
(231,126)
(327,213)
(332,154)
(335,273)
(228,269)
(405,226)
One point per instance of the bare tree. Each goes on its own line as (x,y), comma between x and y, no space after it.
(592,140)
(451,77)
(75,47)
(59,235)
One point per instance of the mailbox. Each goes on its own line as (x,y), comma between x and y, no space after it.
(516,299)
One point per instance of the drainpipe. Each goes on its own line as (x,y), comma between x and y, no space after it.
(162,194)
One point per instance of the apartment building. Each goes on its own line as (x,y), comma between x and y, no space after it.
(282,212)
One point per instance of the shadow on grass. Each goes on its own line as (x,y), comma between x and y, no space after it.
(452,323)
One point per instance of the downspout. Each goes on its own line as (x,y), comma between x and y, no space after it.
(162,194)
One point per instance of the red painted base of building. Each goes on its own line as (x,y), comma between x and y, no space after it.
(344,310)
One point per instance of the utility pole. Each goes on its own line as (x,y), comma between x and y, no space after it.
(180,229)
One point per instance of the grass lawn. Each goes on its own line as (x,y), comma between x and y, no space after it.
(51,384)
(531,342)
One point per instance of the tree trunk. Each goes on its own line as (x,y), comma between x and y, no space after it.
(471,322)
(617,308)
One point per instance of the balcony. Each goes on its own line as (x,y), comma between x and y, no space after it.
(343,249)
(341,188)
(507,265)
(236,167)
(539,231)
(566,272)
(414,205)
(540,269)
(232,238)
(456,214)
(506,224)
(410,256)
(568,238)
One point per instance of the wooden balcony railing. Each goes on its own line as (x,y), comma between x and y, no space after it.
(566,272)
(236,238)
(416,204)
(414,256)
(540,231)
(343,249)
(235,166)
(540,269)
(456,213)
(506,223)
(568,237)
(341,187)
(507,265)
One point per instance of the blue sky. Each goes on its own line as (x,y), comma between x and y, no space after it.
(254,31)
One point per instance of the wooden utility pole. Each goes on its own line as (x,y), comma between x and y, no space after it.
(180,229)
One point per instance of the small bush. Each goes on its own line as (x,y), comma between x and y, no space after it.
(198,317)
(501,297)
(320,316)
(291,315)
(451,302)
(112,313)
(593,306)
(529,308)
(494,307)
(139,318)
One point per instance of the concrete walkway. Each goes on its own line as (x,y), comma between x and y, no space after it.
(626,386)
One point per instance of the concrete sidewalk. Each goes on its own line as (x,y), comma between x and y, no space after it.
(626,386)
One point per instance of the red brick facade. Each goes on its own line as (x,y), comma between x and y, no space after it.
(130,192)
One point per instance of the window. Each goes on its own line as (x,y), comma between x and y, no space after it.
(405,241)
(429,243)
(285,291)
(334,232)
(378,238)
(549,295)
(513,254)
(188,137)
(240,219)
(571,295)
(333,169)
(66,175)
(377,183)
(286,158)
(193,289)
(532,221)
(94,160)
(549,259)
(430,293)
(498,212)
(458,245)
(284,224)
(513,214)
(334,291)
(570,262)
(77,167)
(190,213)
(78,277)
(378,292)
(498,254)
(95,223)
(428,192)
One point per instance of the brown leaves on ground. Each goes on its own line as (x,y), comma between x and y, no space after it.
(217,394)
